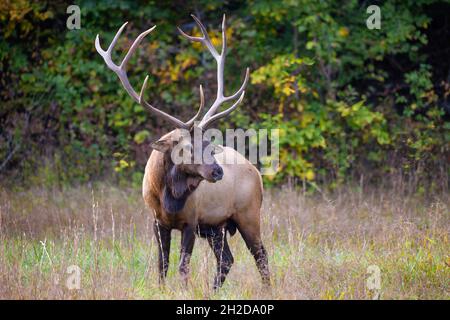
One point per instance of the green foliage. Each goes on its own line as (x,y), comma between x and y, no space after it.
(348,100)
(331,113)
(325,139)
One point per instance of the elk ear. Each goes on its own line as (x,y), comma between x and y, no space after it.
(162,145)
(217,149)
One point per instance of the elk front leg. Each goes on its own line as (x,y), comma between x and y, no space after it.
(219,244)
(163,236)
(187,245)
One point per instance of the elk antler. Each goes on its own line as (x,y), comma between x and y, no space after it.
(210,116)
(121,72)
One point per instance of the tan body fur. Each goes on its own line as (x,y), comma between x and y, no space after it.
(237,196)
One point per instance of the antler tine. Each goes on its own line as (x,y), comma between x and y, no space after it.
(222,114)
(134,46)
(204,39)
(178,123)
(224,37)
(107,54)
(121,72)
(191,38)
(200,109)
(241,89)
(113,42)
(222,99)
(220,58)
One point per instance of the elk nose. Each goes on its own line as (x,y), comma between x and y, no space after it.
(217,173)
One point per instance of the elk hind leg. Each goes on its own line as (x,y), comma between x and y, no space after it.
(250,232)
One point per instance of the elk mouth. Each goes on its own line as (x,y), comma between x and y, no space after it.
(216,174)
(193,182)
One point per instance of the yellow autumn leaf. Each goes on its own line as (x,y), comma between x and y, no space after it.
(287,90)
(306,119)
(309,175)
(188,62)
(323,143)
(343,32)
(123,164)
(344,111)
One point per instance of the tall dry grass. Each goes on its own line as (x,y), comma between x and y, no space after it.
(319,247)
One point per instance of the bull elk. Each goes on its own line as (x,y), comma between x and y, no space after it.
(209,198)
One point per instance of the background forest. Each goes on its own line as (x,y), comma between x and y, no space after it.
(364,146)
(352,103)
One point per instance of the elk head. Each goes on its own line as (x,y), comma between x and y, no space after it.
(182,178)
(186,164)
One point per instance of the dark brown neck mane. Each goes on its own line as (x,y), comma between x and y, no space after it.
(177,186)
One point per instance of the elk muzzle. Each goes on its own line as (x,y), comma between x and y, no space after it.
(217,173)
(211,173)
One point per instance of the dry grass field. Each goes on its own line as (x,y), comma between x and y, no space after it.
(319,247)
